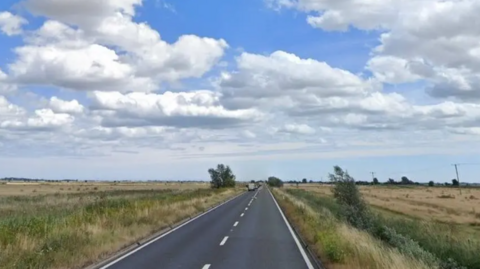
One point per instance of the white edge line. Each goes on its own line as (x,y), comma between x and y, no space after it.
(302,251)
(165,234)
(224,241)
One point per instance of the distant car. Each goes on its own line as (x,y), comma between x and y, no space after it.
(251,187)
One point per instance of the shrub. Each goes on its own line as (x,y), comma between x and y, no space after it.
(346,193)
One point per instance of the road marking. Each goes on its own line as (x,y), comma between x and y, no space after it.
(166,233)
(235,225)
(224,241)
(246,208)
(206,266)
(241,215)
(302,251)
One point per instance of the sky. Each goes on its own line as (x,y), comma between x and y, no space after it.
(164,90)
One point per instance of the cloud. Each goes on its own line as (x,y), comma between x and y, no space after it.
(69,107)
(11,24)
(339,15)
(429,40)
(262,79)
(9,110)
(44,119)
(298,129)
(89,46)
(184,109)
(5,86)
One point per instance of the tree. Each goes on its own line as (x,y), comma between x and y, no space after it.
(431,183)
(222,177)
(310,181)
(347,194)
(304,180)
(406,181)
(391,181)
(455,182)
(275,182)
(375,181)
(252,181)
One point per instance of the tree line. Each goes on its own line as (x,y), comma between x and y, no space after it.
(223,177)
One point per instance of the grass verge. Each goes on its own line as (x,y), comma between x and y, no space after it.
(338,245)
(71,231)
(414,237)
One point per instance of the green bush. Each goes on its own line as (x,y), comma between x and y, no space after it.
(346,193)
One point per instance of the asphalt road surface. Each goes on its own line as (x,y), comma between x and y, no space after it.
(248,232)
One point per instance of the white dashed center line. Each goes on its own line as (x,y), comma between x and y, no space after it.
(224,241)
(235,225)
(206,266)
(242,215)
(246,208)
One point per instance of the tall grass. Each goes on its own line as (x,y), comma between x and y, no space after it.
(72,230)
(339,245)
(414,237)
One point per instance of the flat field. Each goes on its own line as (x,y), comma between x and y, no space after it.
(449,205)
(36,188)
(70,225)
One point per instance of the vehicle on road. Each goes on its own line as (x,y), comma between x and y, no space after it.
(251,186)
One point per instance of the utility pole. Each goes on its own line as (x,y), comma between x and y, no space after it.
(458,179)
(373,178)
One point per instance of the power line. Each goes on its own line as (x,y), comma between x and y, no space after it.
(418,170)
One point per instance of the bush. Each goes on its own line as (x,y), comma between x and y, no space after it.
(275,182)
(346,193)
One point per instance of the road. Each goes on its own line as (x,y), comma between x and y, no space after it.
(246,232)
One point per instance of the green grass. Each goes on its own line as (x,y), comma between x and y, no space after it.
(443,240)
(71,230)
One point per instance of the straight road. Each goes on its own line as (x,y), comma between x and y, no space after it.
(247,232)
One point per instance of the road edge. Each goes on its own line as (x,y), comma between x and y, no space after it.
(127,251)
(307,254)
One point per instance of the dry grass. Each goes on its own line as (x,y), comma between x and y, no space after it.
(340,246)
(439,204)
(38,188)
(75,229)
(454,237)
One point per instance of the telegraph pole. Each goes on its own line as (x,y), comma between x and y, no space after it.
(458,179)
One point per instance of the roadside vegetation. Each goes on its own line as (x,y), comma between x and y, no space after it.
(75,229)
(274,182)
(347,232)
(222,177)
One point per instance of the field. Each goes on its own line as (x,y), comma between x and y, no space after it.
(426,227)
(68,225)
(446,205)
(36,188)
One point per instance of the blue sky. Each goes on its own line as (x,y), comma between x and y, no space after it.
(294,92)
